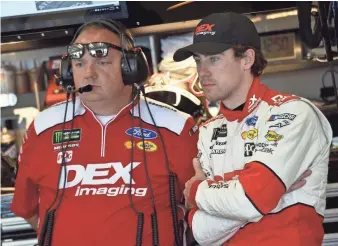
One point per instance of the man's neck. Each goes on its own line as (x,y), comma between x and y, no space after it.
(108,107)
(239,96)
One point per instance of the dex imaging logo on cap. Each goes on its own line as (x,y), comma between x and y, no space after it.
(205,29)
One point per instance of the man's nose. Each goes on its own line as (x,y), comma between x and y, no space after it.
(90,70)
(203,70)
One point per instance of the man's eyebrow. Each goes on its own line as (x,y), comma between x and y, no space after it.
(199,56)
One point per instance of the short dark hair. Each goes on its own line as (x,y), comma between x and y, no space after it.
(260,62)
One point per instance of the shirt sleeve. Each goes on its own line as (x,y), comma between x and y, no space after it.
(26,196)
(212,230)
(204,159)
(185,151)
(209,229)
(290,140)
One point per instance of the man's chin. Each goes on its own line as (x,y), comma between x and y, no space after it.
(212,98)
(90,97)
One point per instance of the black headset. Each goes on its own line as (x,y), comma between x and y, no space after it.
(134,65)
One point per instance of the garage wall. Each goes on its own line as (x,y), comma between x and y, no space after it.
(305,83)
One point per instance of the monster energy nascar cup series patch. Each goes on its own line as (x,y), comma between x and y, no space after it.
(68,135)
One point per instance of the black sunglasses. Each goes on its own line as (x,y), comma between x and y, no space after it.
(95,49)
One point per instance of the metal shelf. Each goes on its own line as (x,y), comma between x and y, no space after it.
(298,65)
(332,190)
(28,242)
(331,215)
(330,239)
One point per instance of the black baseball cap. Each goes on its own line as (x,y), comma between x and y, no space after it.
(218,32)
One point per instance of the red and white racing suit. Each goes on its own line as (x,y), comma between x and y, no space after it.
(95,209)
(251,158)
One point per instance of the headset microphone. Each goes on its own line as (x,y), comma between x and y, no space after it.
(87,88)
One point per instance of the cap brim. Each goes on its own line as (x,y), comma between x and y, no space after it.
(204,48)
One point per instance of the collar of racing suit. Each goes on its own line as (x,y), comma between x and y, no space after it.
(239,108)
(256,94)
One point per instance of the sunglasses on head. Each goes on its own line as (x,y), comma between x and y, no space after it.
(95,49)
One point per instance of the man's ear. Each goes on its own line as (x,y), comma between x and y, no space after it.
(248,59)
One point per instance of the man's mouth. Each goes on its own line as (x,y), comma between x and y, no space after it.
(208,85)
(94,86)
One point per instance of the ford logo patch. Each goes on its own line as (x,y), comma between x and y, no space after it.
(147,134)
(251,121)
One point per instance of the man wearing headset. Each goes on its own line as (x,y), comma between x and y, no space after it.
(125,159)
(251,153)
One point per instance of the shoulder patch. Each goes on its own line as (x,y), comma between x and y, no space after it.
(54,115)
(275,98)
(193,130)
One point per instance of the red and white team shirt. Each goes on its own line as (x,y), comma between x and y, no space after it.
(251,158)
(96,207)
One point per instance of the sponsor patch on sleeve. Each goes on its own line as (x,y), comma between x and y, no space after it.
(193,130)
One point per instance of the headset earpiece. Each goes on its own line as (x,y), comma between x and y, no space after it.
(65,77)
(134,67)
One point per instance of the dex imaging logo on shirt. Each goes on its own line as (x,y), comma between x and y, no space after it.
(89,180)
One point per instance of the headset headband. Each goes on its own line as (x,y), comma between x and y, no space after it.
(110,25)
